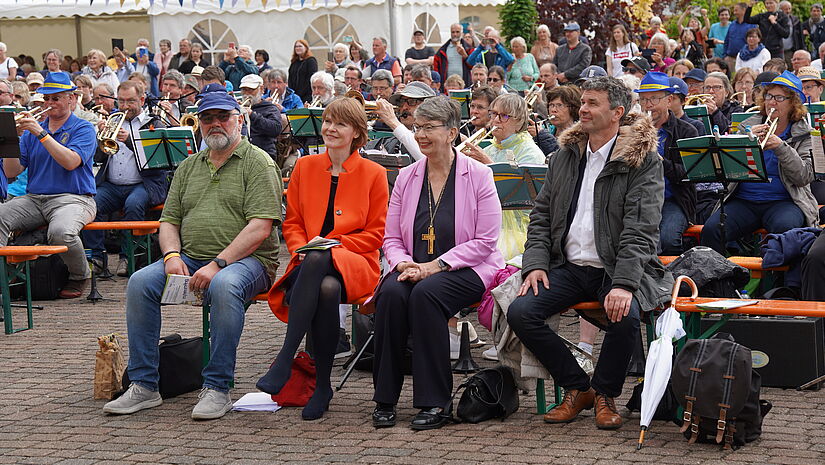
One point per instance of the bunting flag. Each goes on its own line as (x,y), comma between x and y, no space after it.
(164,3)
(277,3)
(220,4)
(151,3)
(246,2)
(121,2)
(302,3)
(263,2)
(181,2)
(234,2)
(290,3)
(194,2)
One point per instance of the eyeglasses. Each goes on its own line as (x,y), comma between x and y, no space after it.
(810,87)
(631,70)
(380,88)
(18,96)
(52,98)
(651,100)
(3,92)
(491,79)
(474,106)
(426,128)
(210,118)
(502,116)
(714,88)
(409,101)
(556,106)
(778,98)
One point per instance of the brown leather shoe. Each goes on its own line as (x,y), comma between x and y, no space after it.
(574,402)
(607,417)
(73,289)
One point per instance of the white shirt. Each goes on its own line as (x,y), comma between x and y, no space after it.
(580,248)
(817,64)
(123,168)
(6,66)
(625,52)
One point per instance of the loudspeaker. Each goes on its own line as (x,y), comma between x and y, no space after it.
(787,351)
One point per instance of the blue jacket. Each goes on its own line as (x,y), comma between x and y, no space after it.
(154,71)
(735,39)
(236,71)
(503,57)
(788,248)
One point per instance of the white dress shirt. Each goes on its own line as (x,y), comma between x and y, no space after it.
(580,247)
(123,167)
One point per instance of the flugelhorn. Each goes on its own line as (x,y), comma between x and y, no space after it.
(697,99)
(25,114)
(107,137)
(533,94)
(475,138)
(771,121)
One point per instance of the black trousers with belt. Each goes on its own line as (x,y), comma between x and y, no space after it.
(569,285)
(420,310)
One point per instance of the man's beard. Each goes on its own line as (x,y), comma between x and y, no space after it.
(220,141)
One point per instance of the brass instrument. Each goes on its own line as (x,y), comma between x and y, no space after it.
(469,121)
(752,109)
(533,94)
(697,99)
(475,138)
(744,100)
(190,120)
(771,121)
(316,102)
(370,107)
(107,137)
(25,114)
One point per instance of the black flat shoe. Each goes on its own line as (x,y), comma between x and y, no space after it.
(432,418)
(383,416)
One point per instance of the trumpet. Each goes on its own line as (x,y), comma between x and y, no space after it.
(316,102)
(190,120)
(696,99)
(107,137)
(533,94)
(752,109)
(36,115)
(771,121)
(469,121)
(475,138)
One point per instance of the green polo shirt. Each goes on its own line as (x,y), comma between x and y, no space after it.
(212,206)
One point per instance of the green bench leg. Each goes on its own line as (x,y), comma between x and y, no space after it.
(132,244)
(8,273)
(206,333)
(541,403)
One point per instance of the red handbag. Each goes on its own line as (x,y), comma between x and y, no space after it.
(297,391)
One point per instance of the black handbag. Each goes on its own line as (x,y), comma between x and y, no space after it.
(181,363)
(490,393)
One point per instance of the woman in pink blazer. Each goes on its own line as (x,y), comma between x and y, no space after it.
(442,227)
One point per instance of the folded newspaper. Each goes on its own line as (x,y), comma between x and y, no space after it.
(726,304)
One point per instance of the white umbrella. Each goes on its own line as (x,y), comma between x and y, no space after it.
(660,357)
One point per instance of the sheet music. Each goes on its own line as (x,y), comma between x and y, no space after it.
(818,151)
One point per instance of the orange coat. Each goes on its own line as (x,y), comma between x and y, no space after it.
(360,212)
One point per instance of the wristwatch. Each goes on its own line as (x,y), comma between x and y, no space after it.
(42,135)
(221,262)
(443,266)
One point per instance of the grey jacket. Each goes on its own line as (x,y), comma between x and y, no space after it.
(628,197)
(796,169)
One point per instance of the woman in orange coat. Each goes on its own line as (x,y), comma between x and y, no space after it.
(335,195)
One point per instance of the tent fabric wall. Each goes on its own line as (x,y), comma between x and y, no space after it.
(35,36)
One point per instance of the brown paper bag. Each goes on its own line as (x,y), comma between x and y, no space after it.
(109,367)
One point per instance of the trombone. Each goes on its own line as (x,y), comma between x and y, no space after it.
(475,138)
(107,137)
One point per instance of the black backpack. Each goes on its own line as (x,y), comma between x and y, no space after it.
(714,382)
(47,275)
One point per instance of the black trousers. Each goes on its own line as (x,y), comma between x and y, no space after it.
(569,285)
(813,271)
(420,310)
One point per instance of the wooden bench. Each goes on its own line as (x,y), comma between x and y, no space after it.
(14,265)
(696,230)
(138,236)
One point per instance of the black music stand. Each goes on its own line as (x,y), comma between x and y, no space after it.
(722,159)
(9,142)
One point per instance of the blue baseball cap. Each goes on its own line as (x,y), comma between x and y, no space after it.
(789,80)
(655,81)
(218,101)
(572,26)
(696,74)
(58,81)
(678,85)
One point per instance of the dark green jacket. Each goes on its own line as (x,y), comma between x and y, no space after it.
(628,196)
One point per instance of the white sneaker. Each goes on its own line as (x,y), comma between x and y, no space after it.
(490,354)
(135,399)
(213,404)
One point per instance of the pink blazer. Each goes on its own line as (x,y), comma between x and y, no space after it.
(477,220)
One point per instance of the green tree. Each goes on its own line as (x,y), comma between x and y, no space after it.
(518,18)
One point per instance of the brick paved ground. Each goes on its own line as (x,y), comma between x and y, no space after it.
(47,414)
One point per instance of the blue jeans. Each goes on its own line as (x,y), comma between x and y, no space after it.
(674,222)
(229,290)
(745,217)
(111,198)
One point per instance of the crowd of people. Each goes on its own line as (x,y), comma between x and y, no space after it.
(435,241)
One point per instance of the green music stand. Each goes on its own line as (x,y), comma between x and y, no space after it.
(165,148)
(305,122)
(723,159)
(518,185)
(463,97)
(700,112)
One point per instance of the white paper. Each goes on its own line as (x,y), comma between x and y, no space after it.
(177,291)
(256,402)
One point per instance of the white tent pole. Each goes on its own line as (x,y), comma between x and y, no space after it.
(393,29)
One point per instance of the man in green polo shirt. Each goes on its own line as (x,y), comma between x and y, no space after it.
(219,226)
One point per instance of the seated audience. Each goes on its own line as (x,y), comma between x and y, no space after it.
(335,195)
(440,245)
(753,55)
(227,243)
(563,108)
